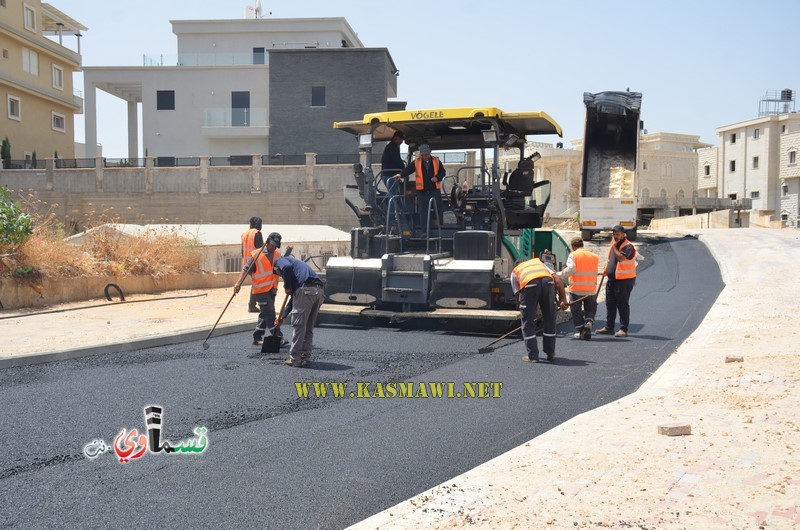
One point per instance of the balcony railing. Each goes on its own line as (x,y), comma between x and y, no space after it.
(206,59)
(224,117)
(653,202)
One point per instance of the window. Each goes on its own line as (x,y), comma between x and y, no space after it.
(646,193)
(681,194)
(732,166)
(5,53)
(756,134)
(755,194)
(707,170)
(259,56)
(755,162)
(233,264)
(644,165)
(783,129)
(663,193)
(58,77)
(30,61)
(317,96)
(785,190)
(732,196)
(59,122)
(792,157)
(14,108)
(29,17)
(165,100)
(733,138)
(666,170)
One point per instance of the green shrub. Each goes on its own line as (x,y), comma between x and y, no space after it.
(15,225)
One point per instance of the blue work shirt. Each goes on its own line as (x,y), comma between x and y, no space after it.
(295,272)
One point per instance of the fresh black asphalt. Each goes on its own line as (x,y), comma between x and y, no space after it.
(278,461)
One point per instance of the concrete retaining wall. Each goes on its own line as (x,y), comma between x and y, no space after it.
(16,294)
(717,219)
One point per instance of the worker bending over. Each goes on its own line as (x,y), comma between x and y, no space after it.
(304,286)
(534,285)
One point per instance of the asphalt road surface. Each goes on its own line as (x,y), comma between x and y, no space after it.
(273,459)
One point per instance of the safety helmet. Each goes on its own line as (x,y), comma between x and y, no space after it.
(275,239)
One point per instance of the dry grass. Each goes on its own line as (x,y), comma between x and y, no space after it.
(103,252)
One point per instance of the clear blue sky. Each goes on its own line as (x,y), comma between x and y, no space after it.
(699,64)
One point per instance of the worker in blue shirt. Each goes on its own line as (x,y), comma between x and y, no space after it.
(304,286)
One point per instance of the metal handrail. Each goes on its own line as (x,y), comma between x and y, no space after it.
(432,202)
(388,232)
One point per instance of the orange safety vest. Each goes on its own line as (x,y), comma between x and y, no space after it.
(530,270)
(264,278)
(584,280)
(626,269)
(248,244)
(420,172)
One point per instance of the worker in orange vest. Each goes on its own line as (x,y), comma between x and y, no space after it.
(251,240)
(621,272)
(534,284)
(581,274)
(264,284)
(428,173)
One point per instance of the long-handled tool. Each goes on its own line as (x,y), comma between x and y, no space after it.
(582,298)
(488,348)
(206,345)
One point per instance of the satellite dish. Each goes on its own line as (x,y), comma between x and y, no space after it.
(258,8)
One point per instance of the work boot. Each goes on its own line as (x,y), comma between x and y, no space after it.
(528,359)
(621,333)
(252,310)
(292,362)
(605,331)
(587,331)
(577,335)
(257,342)
(551,356)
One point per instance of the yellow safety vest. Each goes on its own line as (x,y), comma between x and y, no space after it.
(626,269)
(420,172)
(248,244)
(584,280)
(263,275)
(530,270)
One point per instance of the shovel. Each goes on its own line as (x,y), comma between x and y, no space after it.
(272,343)
(488,348)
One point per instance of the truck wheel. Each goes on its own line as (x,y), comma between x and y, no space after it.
(631,235)
(586,235)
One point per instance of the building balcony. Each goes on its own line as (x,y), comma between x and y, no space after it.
(743,204)
(206,59)
(653,202)
(235,123)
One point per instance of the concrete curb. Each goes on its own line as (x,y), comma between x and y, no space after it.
(119,347)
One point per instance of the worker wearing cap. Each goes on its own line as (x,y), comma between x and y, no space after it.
(620,270)
(428,173)
(534,285)
(252,240)
(392,163)
(581,272)
(264,284)
(304,286)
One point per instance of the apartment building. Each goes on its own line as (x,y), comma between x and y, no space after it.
(250,86)
(755,160)
(36,79)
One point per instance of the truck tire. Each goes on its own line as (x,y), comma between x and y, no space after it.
(631,235)
(586,235)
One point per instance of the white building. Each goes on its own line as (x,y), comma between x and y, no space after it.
(244,87)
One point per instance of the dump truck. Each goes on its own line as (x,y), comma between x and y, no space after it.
(610,152)
(403,264)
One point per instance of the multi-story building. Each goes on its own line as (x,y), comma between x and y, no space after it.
(789,175)
(250,86)
(753,163)
(36,79)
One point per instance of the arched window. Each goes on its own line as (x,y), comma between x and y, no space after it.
(681,194)
(666,170)
(646,193)
(663,193)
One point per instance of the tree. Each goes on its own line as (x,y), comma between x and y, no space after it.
(5,152)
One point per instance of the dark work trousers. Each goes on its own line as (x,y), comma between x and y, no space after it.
(251,304)
(584,311)
(541,293)
(618,294)
(266,314)
(306,301)
(423,203)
